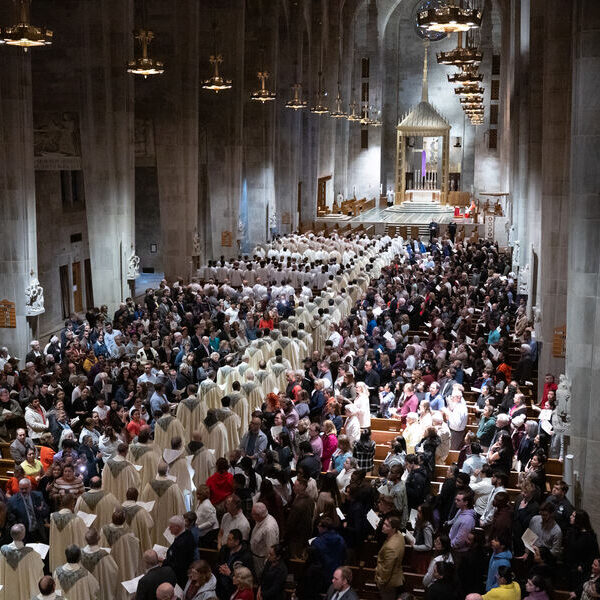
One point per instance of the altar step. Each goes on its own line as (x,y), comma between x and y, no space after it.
(420,206)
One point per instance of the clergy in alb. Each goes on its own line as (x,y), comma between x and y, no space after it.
(119,474)
(176,459)
(167,427)
(191,411)
(124,548)
(138,518)
(66,529)
(97,502)
(20,567)
(168,501)
(75,581)
(146,454)
(231,421)
(216,434)
(99,562)
(203,459)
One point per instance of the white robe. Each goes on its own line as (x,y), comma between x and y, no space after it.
(140,523)
(77,584)
(168,502)
(217,439)
(125,549)
(146,456)
(204,465)
(118,475)
(21,568)
(167,427)
(66,528)
(103,567)
(190,412)
(100,503)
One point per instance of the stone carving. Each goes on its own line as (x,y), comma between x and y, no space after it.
(516,255)
(273,219)
(56,134)
(34,298)
(511,233)
(563,405)
(133,267)
(196,244)
(523,285)
(537,315)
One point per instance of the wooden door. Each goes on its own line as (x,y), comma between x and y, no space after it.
(77,292)
(322,192)
(89,289)
(65,292)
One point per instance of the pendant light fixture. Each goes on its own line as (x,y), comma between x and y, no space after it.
(23,33)
(353,116)
(450,18)
(216,83)
(338,113)
(468,75)
(319,108)
(469,91)
(459,56)
(264,94)
(296,103)
(145,65)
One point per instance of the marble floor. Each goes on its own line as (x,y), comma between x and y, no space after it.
(381,215)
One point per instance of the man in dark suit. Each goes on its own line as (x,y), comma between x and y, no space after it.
(340,585)
(180,554)
(155,575)
(203,350)
(29,508)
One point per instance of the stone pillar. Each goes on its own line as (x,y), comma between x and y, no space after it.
(555,171)
(18,249)
(583,300)
(176,139)
(107,144)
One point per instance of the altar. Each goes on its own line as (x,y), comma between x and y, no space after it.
(423,153)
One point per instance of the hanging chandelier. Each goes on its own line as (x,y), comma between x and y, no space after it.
(296,103)
(353,116)
(145,65)
(449,18)
(319,108)
(23,33)
(367,120)
(459,56)
(216,83)
(338,113)
(471,105)
(263,94)
(469,91)
(472,100)
(466,76)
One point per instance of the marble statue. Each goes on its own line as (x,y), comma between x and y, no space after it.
(133,267)
(523,285)
(563,404)
(34,298)
(273,219)
(196,244)
(516,254)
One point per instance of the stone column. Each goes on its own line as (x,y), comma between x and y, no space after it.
(107,147)
(18,249)
(583,300)
(176,139)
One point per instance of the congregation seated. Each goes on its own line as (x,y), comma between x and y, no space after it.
(245,408)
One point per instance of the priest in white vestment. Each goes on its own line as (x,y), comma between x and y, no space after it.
(166,428)
(190,411)
(239,405)
(20,567)
(203,460)
(210,392)
(118,474)
(146,454)
(66,529)
(216,435)
(99,562)
(124,548)
(73,579)
(176,459)
(168,501)
(97,502)
(137,516)
(231,421)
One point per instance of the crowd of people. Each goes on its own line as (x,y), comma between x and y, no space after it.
(216,438)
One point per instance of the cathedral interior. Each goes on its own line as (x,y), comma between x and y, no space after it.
(144,138)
